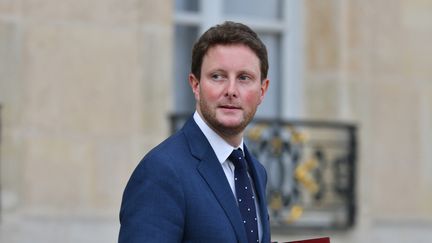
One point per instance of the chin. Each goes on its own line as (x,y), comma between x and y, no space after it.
(230,122)
(231,127)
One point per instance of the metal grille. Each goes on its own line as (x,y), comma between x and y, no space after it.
(311,170)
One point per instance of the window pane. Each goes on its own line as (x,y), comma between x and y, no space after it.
(270,9)
(186,5)
(271,106)
(185,37)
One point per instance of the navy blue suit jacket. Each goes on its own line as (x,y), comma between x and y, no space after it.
(179,193)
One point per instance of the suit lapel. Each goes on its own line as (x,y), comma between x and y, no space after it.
(260,183)
(216,180)
(257,179)
(211,171)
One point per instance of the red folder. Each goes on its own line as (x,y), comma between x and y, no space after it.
(317,240)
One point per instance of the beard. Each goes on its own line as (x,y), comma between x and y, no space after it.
(209,114)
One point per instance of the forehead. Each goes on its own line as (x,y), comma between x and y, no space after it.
(232,55)
(230,48)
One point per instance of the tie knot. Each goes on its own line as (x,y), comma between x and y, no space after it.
(237,158)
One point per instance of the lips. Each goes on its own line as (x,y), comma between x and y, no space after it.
(230,107)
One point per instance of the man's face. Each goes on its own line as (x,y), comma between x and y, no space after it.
(229,89)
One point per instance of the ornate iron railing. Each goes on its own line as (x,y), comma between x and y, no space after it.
(311,168)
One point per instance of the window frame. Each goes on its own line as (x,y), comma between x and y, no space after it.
(289,98)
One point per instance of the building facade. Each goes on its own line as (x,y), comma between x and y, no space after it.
(86,89)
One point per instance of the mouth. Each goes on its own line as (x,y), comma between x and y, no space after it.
(230,107)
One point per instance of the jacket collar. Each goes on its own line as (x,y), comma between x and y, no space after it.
(260,182)
(211,171)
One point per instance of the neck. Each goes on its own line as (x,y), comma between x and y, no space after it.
(233,138)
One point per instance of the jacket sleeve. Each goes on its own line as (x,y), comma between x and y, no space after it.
(153,203)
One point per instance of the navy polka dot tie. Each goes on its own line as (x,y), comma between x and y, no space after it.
(245,196)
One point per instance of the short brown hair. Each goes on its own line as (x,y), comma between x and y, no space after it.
(228,33)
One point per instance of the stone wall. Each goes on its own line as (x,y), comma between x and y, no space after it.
(85,88)
(368,62)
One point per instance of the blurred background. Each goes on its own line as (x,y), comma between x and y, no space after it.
(88,87)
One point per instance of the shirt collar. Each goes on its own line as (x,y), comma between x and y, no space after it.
(221,148)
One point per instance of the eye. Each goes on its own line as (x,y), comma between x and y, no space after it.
(217,76)
(245,78)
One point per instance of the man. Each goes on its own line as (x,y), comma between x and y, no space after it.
(196,186)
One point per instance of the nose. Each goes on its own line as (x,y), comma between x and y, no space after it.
(231,90)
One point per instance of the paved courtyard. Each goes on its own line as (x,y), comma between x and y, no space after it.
(37,229)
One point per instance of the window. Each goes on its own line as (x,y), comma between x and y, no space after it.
(329,153)
(278,24)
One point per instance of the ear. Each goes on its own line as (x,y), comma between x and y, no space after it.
(264,88)
(194,83)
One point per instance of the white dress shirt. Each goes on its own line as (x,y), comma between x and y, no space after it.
(223,150)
